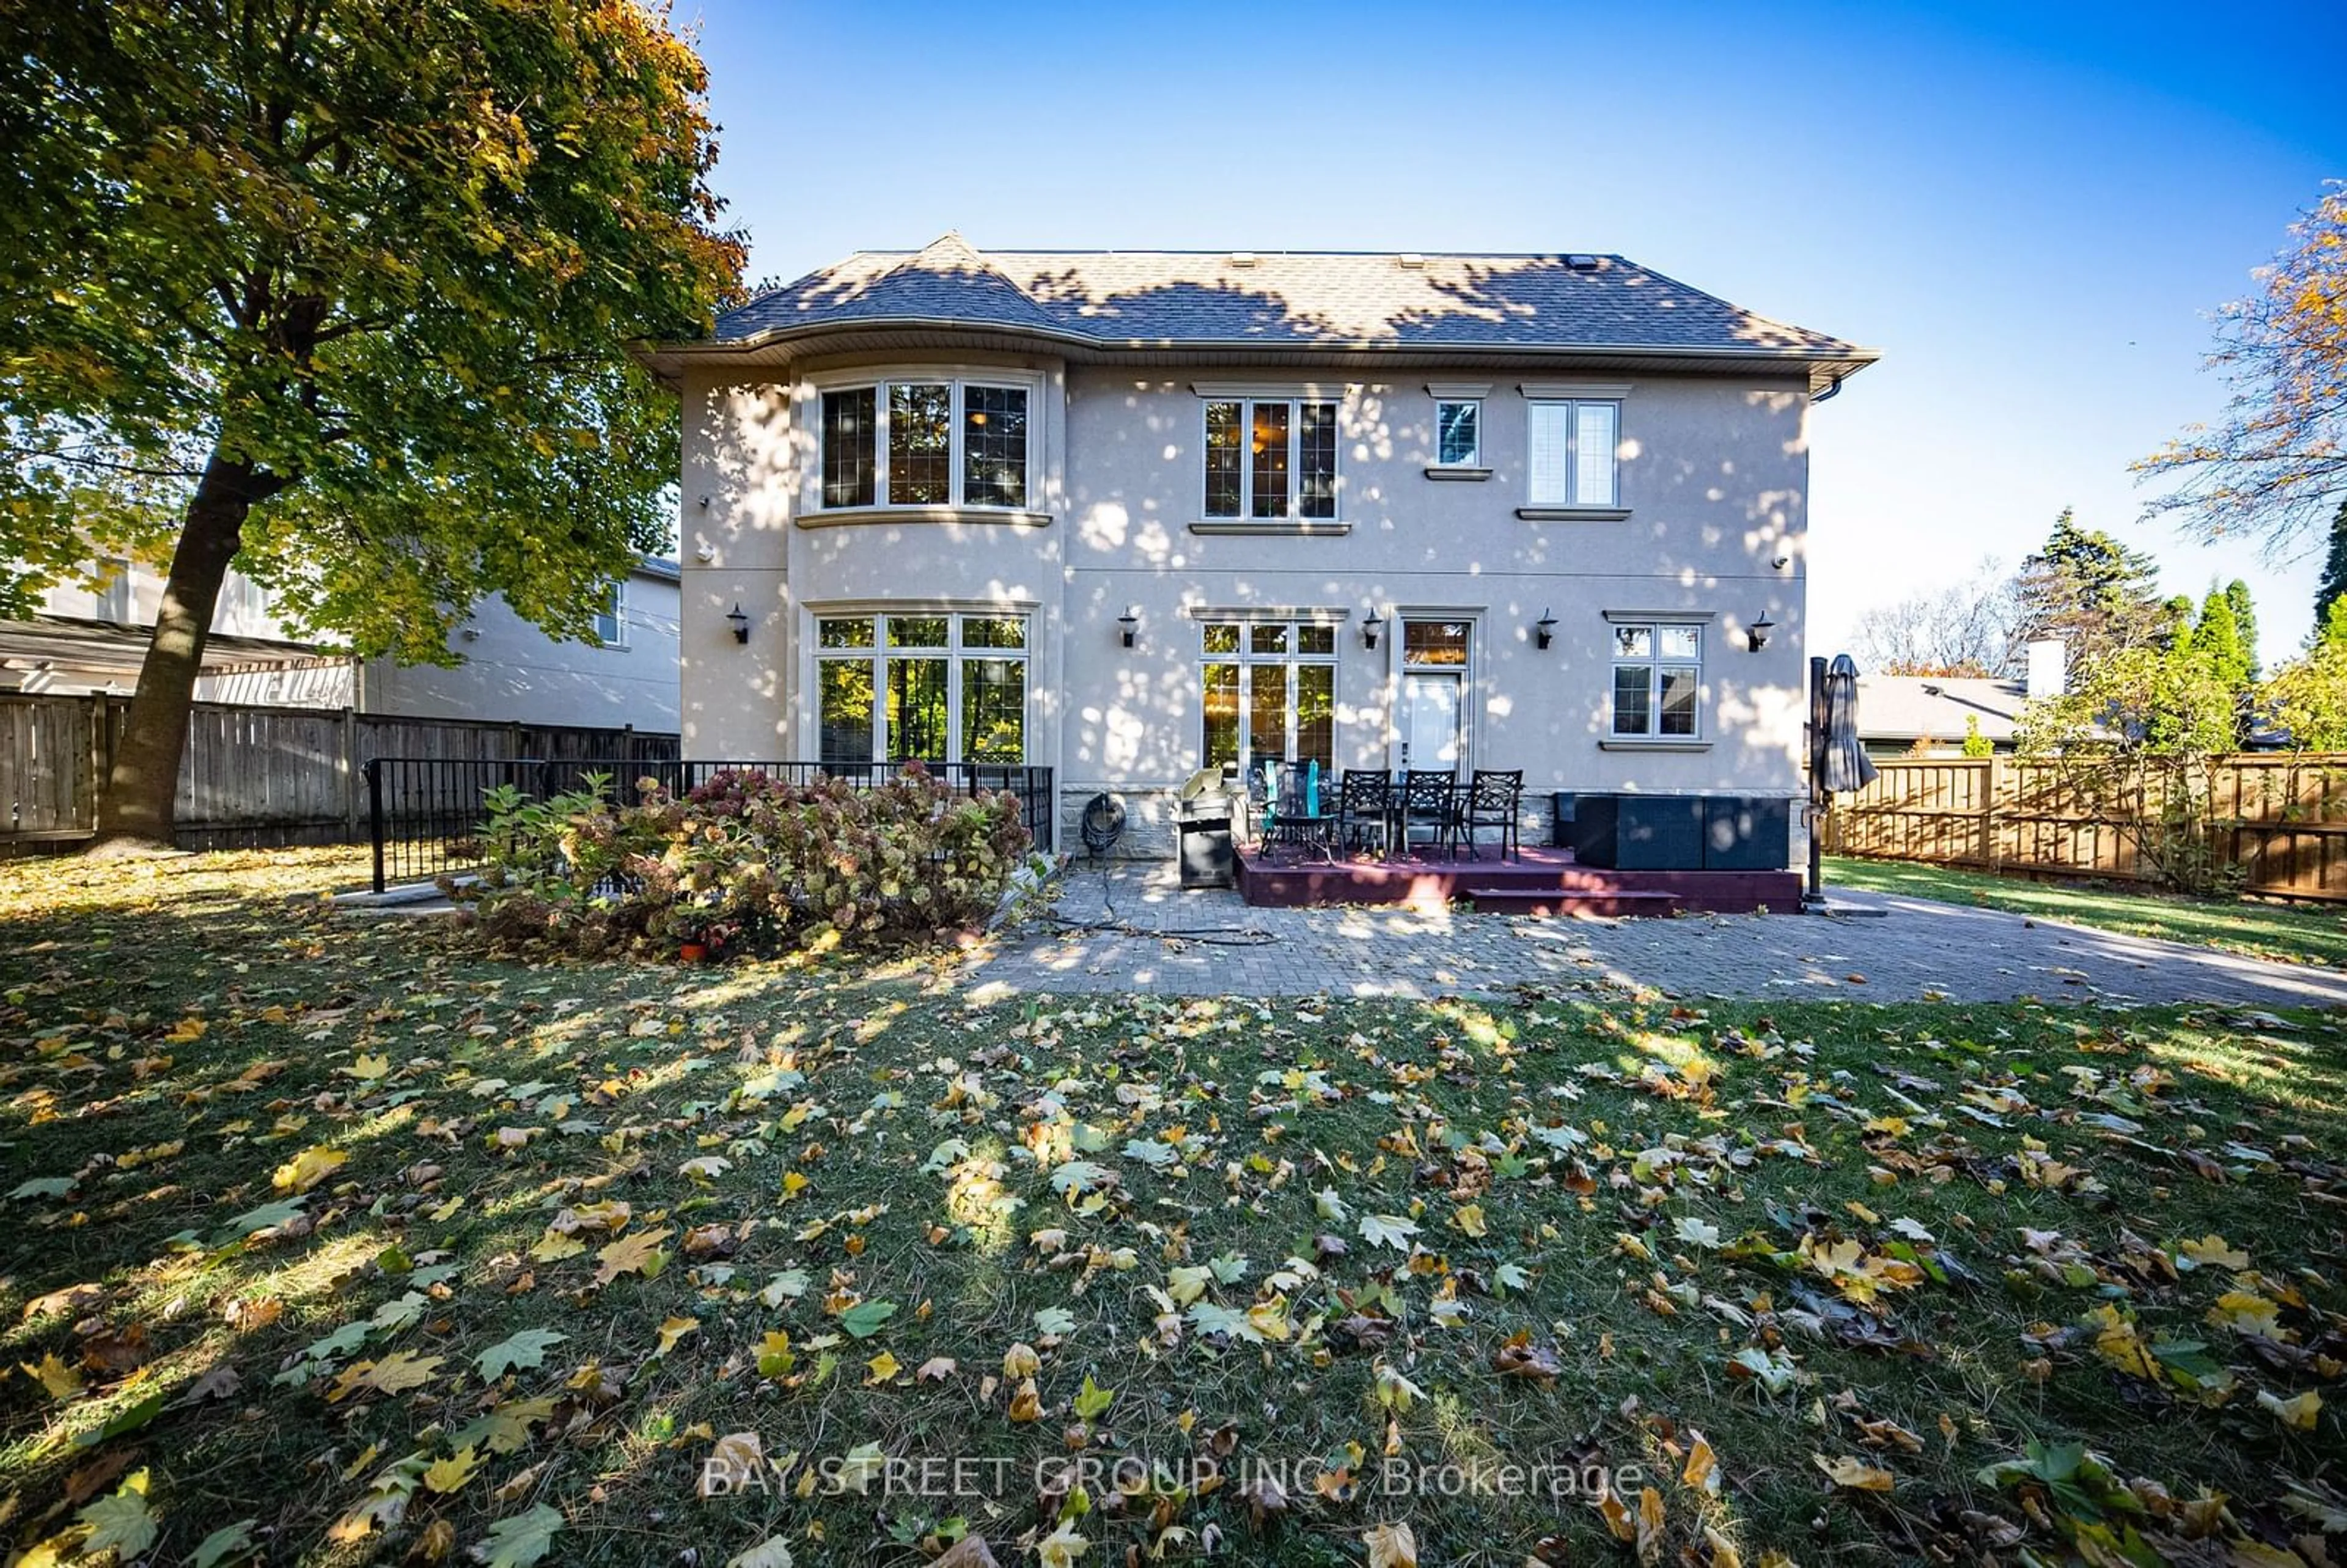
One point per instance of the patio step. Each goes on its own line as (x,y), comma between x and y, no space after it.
(1607,903)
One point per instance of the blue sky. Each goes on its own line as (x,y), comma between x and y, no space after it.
(2030,210)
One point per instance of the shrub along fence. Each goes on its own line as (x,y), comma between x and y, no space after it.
(257,777)
(424,814)
(2278,819)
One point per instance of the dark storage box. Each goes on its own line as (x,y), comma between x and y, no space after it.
(1639,832)
(1202,828)
(1747,833)
(1561,815)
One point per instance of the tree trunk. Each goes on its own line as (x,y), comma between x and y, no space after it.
(143,785)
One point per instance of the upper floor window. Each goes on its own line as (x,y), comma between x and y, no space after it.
(115,601)
(1573,452)
(611,620)
(1657,679)
(1458,433)
(1271,457)
(926,443)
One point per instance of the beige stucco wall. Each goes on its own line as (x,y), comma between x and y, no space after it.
(1714,475)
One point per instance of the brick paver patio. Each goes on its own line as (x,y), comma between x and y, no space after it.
(1215,945)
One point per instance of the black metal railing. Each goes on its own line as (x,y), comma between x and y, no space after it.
(424,814)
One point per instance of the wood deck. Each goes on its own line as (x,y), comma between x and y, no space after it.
(1546,881)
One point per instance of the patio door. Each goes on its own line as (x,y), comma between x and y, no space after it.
(1430,719)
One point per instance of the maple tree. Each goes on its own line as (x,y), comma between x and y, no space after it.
(2275,468)
(341,292)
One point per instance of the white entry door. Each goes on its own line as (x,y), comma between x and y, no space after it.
(1430,719)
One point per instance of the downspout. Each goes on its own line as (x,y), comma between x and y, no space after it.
(1832,392)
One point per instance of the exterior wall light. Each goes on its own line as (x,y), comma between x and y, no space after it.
(1371,627)
(1544,629)
(1129,625)
(739,622)
(1756,634)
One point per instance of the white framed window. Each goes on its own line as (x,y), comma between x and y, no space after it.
(926,441)
(1270,458)
(1269,693)
(927,685)
(1572,455)
(611,620)
(115,601)
(1657,680)
(1458,433)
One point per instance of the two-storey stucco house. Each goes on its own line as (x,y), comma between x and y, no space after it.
(1133,514)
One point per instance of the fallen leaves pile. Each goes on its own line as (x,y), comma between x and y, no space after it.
(328,1238)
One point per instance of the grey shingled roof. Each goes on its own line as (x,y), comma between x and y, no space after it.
(1908,707)
(1289,299)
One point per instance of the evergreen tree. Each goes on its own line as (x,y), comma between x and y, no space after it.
(2333,585)
(2245,621)
(2217,640)
(2096,594)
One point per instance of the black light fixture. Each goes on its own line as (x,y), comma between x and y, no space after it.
(739,622)
(1544,629)
(1756,634)
(1372,626)
(1129,625)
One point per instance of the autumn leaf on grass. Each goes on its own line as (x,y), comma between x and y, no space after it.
(1518,1357)
(864,1319)
(673,1330)
(61,1380)
(120,1523)
(883,1368)
(394,1374)
(2298,1413)
(1702,1470)
(1055,1322)
(449,1474)
(518,1541)
(772,1553)
(1851,1471)
(1061,1547)
(2214,1252)
(1093,1399)
(707,1168)
(638,1254)
(936,1369)
(733,1464)
(1027,1403)
(1469,1218)
(308,1168)
(225,1545)
(524,1351)
(1391,1546)
(1697,1233)
(1388,1230)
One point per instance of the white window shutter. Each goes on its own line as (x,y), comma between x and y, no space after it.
(1594,441)
(1548,467)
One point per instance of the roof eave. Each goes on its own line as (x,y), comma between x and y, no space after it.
(1827,366)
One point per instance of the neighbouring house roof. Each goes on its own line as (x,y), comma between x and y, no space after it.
(1121,302)
(98,651)
(1910,708)
(660,567)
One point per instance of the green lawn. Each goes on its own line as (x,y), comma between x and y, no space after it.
(2290,933)
(345,1239)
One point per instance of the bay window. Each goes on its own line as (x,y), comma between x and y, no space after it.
(925,442)
(935,686)
(1270,459)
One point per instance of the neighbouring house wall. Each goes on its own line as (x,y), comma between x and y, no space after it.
(513,671)
(1713,473)
(243,610)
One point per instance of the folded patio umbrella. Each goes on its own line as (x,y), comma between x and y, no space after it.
(1843,765)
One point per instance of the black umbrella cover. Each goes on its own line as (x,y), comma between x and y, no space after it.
(1847,766)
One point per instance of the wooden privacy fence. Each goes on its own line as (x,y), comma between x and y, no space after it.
(256,777)
(2280,817)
